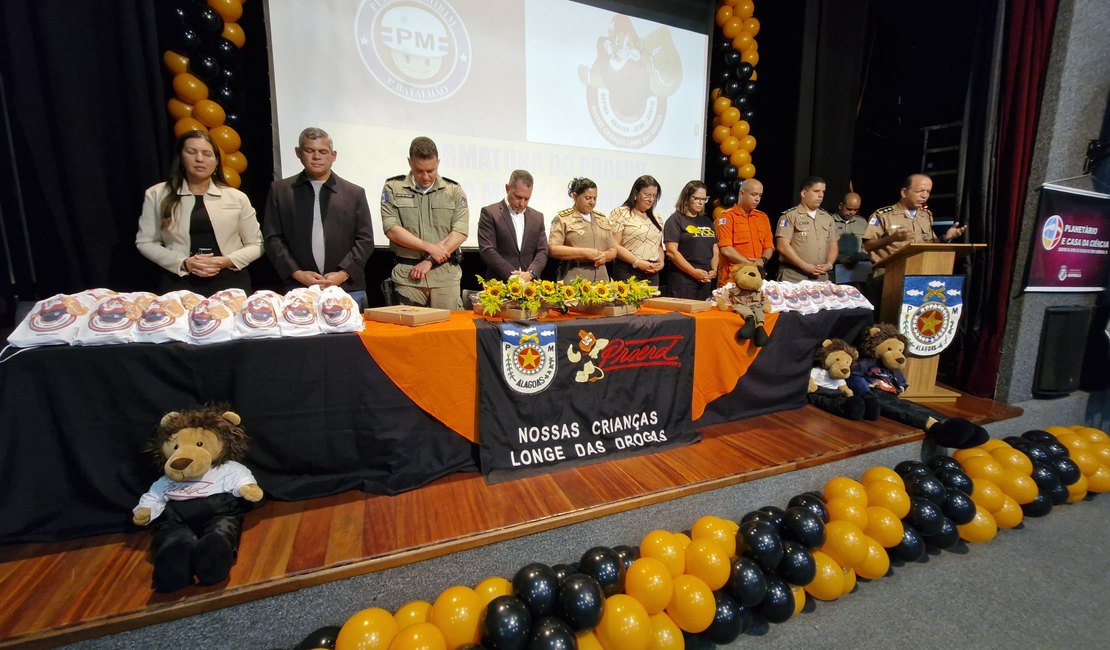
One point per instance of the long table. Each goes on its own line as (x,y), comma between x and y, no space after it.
(383,411)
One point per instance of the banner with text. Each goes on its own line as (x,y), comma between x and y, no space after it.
(558,393)
(1071,245)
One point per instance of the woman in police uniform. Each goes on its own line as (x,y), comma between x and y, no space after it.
(581,237)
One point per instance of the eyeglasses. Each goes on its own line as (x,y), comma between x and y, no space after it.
(699,199)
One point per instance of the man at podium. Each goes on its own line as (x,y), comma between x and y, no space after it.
(908,221)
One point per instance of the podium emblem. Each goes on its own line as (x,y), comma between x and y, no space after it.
(931,307)
(528,360)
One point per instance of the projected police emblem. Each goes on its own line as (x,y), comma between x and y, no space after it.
(629,82)
(417,49)
(528,360)
(1053,232)
(931,307)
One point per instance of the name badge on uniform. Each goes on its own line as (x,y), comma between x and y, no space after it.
(404,200)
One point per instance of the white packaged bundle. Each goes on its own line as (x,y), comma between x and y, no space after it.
(258,317)
(52,321)
(233,298)
(210,321)
(298,312)
(164,318)
(112,319)
(339,312)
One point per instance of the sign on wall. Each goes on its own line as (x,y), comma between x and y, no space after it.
(1071,243)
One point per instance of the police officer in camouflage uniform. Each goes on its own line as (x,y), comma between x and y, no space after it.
(806,237)
(426,219)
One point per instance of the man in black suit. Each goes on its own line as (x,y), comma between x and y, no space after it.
(317,226)
(511,238)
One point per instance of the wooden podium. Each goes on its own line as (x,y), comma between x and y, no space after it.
(919,259)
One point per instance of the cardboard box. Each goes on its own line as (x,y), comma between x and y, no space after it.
(407,315)
(677,304)
(604,310)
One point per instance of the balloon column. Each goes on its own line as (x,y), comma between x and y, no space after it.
(724,578)
(204,59)
(732,98)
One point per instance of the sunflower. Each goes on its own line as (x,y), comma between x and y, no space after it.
(547,288)
(602,291)
(494,290)
(530,291)
(569,292)
(621,289)
(516,289)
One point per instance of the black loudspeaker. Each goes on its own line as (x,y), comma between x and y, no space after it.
(1063,345)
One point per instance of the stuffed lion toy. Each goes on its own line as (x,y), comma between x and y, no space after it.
(197,506)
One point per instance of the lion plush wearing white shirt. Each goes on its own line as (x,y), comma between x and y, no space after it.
(197,506)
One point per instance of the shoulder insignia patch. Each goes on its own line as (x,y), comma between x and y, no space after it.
(396,178)
(449,181)
(887,209)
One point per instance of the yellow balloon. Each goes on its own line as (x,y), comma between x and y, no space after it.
(881,473)
(743,9)
(747,171)
(721,531)
(1018,486)
(692,606)
(189,89)
(491,588)
(229,10)
(178,109)
(1099,480)
(742,42)
(889,495)
(724,12)
(411,613)
(370,629)
(986,494)
(649,581)
(232,178)
(714,94)
(1078,491)
(665,635)
(186,124)
(877,563)
(707,561)
(844,508)
(457,613)
(721,104)
(421,636)
(1085,460)
(845,543)
(994,443)
(174,62)
(1009,515)
(730,116)
(209,113)
(1093,435)
(740,158)
(981,529)
(588,641)
(963,454)
(849,579)
(226,138)
(740,129)
(747,143)
(1011,458)
(235,160)
(683,540)
(732,27)
(752,57)
(729,145)
(1102,450)
(884,527)
(663,546)
(828,583)
(751,26)
(985,467)
(720,133)
(799,599)
(625,624)
(234,33)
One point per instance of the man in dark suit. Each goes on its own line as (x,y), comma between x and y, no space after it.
(511,238)
(317,226)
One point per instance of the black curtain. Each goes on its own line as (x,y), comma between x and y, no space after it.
(84,133)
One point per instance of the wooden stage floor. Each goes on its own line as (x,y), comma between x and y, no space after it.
(67,591)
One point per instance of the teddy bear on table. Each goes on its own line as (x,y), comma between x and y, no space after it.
(745,297)
(197,506)
(828,386)
(879,377)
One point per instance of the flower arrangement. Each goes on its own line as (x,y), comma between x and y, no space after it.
(531,297)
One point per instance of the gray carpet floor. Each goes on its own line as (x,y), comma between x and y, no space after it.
(1044,585)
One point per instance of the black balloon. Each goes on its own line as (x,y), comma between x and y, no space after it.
(814,504)
(208,22)
(580,601)
(731,58)
(737,183)
(505,624)
(746,581)
(911,548)
(762,542)
(946,538)
(778,605)
(722,160)
(748,115)
(1058,495)
(726,75)
(1039,435)
(730,172)
(958,506)
(229,75)
(732,88)
(939,462)
(551,634)
(233,120)
(188,41)
(741,102)
(1045,477)
(536,586)
(627,554)
(911,467)
(926,486)
(750,88)
(744,71)
(224,95)
(603,564)
(321,638)
(801,524)
(721,188)
(775,513)
(1056,450)
(797,566)
(562,571)
(1038,507)
(729,199)
(956,480)
(925,516)
(205,67)
(1036,452)
(1066,469)
(181,15)
(226,51)
(729,622)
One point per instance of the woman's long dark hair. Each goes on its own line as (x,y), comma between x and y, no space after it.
(686,193)
(177,173)
(641,183)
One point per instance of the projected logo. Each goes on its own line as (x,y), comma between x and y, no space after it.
(1052,232)
(417,49)
(629,82)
